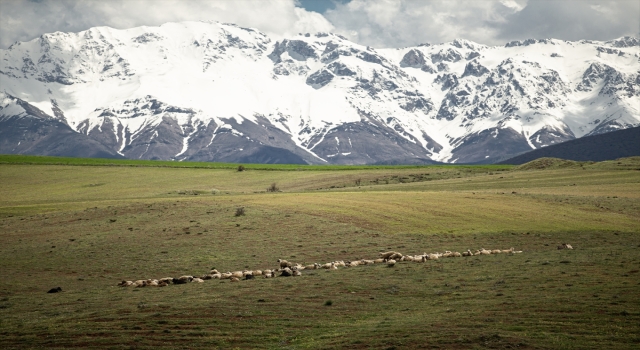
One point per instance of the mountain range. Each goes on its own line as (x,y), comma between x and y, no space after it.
(207,91)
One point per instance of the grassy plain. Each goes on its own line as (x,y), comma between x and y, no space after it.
(85,228)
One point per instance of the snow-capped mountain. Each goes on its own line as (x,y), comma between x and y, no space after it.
(218,92)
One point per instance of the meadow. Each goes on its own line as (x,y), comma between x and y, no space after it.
(85,225)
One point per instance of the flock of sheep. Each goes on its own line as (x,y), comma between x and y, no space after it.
(286,268)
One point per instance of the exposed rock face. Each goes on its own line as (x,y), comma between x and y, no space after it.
(218,92)
(25,129)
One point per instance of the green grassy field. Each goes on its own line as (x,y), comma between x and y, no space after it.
(85,225)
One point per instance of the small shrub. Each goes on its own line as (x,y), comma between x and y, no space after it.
(239,211)
(240,167)
(273,188)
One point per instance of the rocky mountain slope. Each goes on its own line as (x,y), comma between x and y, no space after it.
(25,129)
(217,92)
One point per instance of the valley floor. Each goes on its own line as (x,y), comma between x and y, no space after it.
(86,228)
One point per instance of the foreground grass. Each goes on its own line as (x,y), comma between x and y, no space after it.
(86,228)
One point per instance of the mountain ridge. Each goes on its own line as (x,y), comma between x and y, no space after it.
(219,92)
(595,148)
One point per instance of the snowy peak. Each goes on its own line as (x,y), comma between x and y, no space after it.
(213,91)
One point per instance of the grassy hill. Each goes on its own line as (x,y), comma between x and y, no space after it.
(86,228)
(601,147)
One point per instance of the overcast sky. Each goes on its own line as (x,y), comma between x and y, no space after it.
(378,23)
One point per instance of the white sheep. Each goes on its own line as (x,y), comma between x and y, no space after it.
(391,263)
(352,263)
(197,280)
(283,263)
(387,255)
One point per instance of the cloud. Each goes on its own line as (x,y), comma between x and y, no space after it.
(573,20)
(378,23)
(398,23)
(22,20)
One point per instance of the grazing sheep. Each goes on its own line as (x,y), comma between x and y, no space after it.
(367,262)
(433,256)
(257,272)
(340,263)
(213,272)
(456,254)
(310,267)
(182,279)
(237,274)
(206,277)
(327,266)
(284,263)
(286,272)
(152,283)
(565,246)
(197,280)
(508,250)
(249,277)
(387,255)
(484,251)
(496,251)
(378,261)
(140,283)
(396,256)
(234,279)
(163,284)
(125,283)
(352,263)
(296,273)
(391,263)
(167,280)
(216,276)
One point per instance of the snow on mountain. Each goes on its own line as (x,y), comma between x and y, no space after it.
(212,91)
(25,129)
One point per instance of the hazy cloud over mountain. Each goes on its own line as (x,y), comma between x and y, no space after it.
(379,23)
(22,20)
(396,23)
